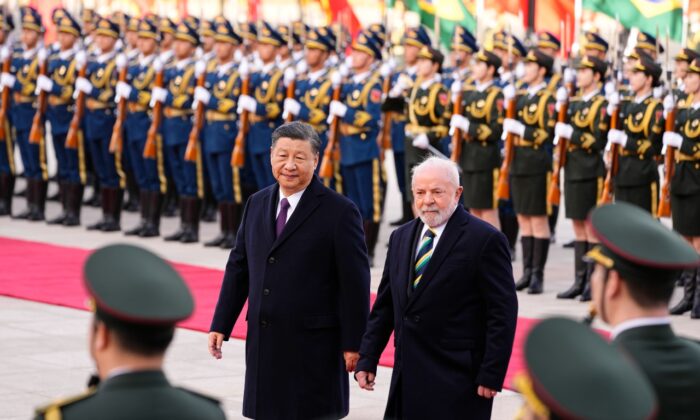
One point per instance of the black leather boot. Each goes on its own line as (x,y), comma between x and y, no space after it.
(74,203)
(590,266)
(40,187)
(539,260)
(224,226)
(63,196)
(232,210)
(30,195)
(143,208)
(114,209)
(527,245)
(580,268)
(686,302)
(153,203)
(7,186)
(180,230)
(192,209)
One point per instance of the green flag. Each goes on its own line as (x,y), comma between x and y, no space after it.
(450,12)
(647,15)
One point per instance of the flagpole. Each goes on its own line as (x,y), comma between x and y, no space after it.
(479,18)
(685,22)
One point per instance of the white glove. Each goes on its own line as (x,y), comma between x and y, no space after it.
(5,53)
(669,103)
(336,78)
(80,59)
(458,122)
(289,76)
(338,109)
(123,91)
(238,56)
(509,92)
(617,137)
(348,62)
(658,92)
(83,85)
(42,54)
(291,106)
(301,67)
(609,89)
(158,64)
(202,95)
(671,139)
(158,94)
(385,70)
(246,103)
(402,83)
(244,69)
(569,75)
(200,67)
(613,101)
(121,61)
(562,94)
(519,70)
(513,126)
(563,130)
(7,80)
(421,141)
(44,83)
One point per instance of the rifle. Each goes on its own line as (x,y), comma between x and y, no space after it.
(4,108)
(238,155)
(457,135)
(607,195)
(385,136)
(554,196)
(664,208)
(149,150)
(291,87)
(37,131)
(503,187)
(326,170)
(116,142)
(192,151)
(74,128)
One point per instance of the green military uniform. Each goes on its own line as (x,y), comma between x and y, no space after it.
(637,178)
(428,113)
(481,152)
(685,184)
(135,291)
(641,250)
(600,384)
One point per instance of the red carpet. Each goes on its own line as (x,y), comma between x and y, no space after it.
(52,274)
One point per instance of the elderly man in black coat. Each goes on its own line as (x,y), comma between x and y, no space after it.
(448,295)
(301,261)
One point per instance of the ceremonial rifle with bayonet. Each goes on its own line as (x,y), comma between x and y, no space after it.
(503,187)
(664,208)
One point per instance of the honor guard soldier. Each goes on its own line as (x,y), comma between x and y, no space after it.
(683,59)
(584,133)
(56,15)
(685,184)
(264,104)
(510,50)
(137,299)
(582,377)
(595,46)
(219,95)
(637,262)
(176,98)
(402,81)
(284,53)
(463,48)
(99,88)
(89,19)
(312,92)
(301,30)
(58,83)
(480,129)
(649,44)
(166,28)
(22,81)
(7,160)
(206,52)
(359,111)
(531,165)
(149,173)
(249,31)
(131,35)
(639,138)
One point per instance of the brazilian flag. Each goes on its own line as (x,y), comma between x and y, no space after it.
(647,15)
(450,12)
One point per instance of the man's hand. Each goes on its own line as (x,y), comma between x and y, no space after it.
(365,380)
(487,393)
(215,341)
(351,359)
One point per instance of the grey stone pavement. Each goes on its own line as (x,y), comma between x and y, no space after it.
(44,353)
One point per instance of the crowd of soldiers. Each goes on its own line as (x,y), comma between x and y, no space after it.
(183,113)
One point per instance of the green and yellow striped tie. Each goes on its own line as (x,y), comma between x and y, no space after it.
(425,251)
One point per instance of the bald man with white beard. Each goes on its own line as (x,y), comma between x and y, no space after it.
(448,295)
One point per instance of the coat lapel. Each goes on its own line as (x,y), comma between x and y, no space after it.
(407,253)
(448,239)
(271,212)
(308,203)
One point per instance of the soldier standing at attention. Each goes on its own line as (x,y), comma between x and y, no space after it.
(22,81)
(176,97)
(584,130)
(359,111)
(531,166)
(7,162)
(480,126)
(264,105)
(685,184)
(137,299)
(639,139)
(58,83)
(148,172)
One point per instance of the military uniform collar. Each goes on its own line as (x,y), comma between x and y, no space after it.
(146,60)
(65,55)
(587,97)
(481,87)
(639,100)
(223,68)
(429,82)
(181,64)
(313,76)
(360,77)
(532,90)
(267,68)
(104,57)
(165,56)
(638,323)
(29,53)
(412,70)
(284,63)
(134,379)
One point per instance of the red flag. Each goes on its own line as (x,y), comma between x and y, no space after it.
(340,11)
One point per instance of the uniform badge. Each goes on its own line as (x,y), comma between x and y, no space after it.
(314,92)
(443,98)
(178,80)
(355,94)
(659,115)
(550,109)
(25,68)
(480,103)
(62,70)
(375,95)
(584,112)
(100,72)
(638,116)
(222,84)
(602,112)
(499,105)
(532,108)
(424,100)
(265,84)
(694,123)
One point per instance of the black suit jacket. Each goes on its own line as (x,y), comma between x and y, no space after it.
(308,300)
(455,331)
(672,365)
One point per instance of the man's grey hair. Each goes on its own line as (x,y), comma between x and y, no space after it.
(297,130)
(438,163)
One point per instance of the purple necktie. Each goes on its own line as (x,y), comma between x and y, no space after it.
(282,217)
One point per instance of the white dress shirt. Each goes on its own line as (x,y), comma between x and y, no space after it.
(639,322)
(438,233)
(293,202)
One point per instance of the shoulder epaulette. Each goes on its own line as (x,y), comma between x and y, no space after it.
(55,407)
